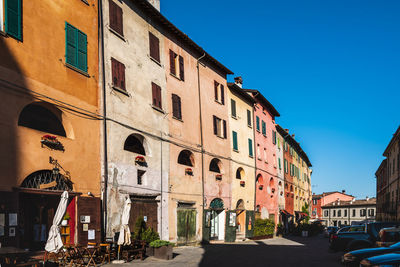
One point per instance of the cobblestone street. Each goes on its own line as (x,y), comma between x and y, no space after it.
(293,251)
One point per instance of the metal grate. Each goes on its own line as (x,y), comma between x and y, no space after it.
(38,179)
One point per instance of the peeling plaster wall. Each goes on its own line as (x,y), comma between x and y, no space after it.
(135,115)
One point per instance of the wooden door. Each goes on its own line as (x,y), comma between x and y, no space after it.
(186,225)
(146,209)
(88,206)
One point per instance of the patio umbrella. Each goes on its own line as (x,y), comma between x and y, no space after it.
(124,232)
(54,242)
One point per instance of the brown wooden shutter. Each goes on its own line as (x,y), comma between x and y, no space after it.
(174,106)
(172,62)
(215,125)
(122,75)
(119,21)
(115,13)
(181,69)
(222,95)
(112,14)
(179,108)
(154,93)
(216,90)
(154,47)
(115,72)
(224,125)
(159,97)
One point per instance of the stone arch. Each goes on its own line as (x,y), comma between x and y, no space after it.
(135,143)
(48,180)
(239,173)
(217,203)
(215,165)
(259,179)
(186,158)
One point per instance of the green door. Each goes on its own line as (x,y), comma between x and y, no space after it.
(206,226)
(186,225)
(230,226)
(249,223)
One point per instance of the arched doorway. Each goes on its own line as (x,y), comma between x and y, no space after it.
(240,219)
(217,231)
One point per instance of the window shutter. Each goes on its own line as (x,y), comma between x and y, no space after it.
(233,108)
(116,19)
(176,106)
(224,125)
(112,14)
(181,69)
(172,62)
(264,131)
(249,118)
(234,139)
(71,40)
(122,76)
(215,125)
(279,163)
(216,90)
(159,97)
(222,95)
(154,93)
(179,108)
(257,123)
(82,51)
(13,10)
(154,47)
(250,147)
(115,72)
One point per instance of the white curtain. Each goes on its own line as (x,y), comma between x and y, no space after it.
(54,242)
(124,232)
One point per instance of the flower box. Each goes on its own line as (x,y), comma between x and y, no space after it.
(273,190)
(218,177)
(141,161)
(189,171)
(260,187)
(162,249)
(242,183)
(51,142)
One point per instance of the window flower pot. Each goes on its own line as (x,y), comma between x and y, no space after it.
(164,252)
(260,187)
(242,183)
(141,161)
(218,177)
(273,190)
(51,142)
(189,171)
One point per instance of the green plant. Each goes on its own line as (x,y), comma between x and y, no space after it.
(150,235)
(66,216)
(140,227)
(263,227)
(305,209)
(160,243)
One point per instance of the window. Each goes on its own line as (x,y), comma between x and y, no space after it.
(334,213)
(285,145)
(134,144)
(345,213)
(38,117)
(273,137)
(13,18)
(219,93)
(176,107)
(156,91)
(215,165)
(115,13)
(219,127)
(234,140)
(265,155)
(264,128)
(140,174)
(279,163)
(339,213)
(233,108)
(249,118)
(250,147)
(186,158)
(257,123)
(258,152)
(75,47)
(314,202)
(326,213)
(177,65)
(239,173)
(118,74)
(354,213)
(371,212)
(362,212)
(285,165)
(154,44)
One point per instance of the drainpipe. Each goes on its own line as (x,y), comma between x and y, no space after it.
(255,159)
(105,158)
(201,133)
(161,187)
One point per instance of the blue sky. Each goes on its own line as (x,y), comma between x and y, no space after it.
(331,68)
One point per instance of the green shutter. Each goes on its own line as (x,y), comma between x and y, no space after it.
(234,139)
(82,51)
(233,108)
(13,21)
(249,118)
(257,123)
(264,129)
(279,161)
(250,147)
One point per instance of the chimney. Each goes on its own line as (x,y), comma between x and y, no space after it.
(366,198)
(155,3)
(293,136)
(287,130)
(239,81)
(343,191)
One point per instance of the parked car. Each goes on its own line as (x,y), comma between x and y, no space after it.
(358,237)
(330,230)
(353,258)
(388,236)
(390,259)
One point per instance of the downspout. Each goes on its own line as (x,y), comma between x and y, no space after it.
(105,158)
(201,136)
(161,187)
(255,159)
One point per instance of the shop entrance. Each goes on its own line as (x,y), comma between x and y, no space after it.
(217,229)
(240,219)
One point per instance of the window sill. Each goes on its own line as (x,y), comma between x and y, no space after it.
(175,118)
(116,33)
(219,102)
(235,150)
(249,126)
(158,109)
(176,77)
(122,91)
(3,33)
(86,2)
(251,156)
(77,70)
(265,135)
(234,117)
(155,61)
(258,131)
(220,136)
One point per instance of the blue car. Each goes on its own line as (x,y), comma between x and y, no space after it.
(353,258)
(391,259)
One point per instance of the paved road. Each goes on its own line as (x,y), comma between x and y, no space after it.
(293,251)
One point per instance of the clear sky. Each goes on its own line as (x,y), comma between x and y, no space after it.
(330,67)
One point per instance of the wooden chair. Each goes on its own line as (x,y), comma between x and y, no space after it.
(105,253)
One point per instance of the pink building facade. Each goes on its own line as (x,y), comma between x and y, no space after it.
(266,159)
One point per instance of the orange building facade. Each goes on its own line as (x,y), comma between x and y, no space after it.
(49,123)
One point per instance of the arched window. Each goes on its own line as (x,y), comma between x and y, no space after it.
(258,208)
(271,182)
(259,179)
(47,177)
(240,204)
(217,203)
(291,188)
(239,173)
(134,143)
(38,117)
(215,165)
(186,158)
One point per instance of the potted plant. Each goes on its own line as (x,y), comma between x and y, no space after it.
(162,249)
(218,177)
(141,161)
(149,236)
(51,142)
(189,171)
(66,217)
(260,187)
(242,183)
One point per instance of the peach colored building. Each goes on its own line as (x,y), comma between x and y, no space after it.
(320,200)
(266,158)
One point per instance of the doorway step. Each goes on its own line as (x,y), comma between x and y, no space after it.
(240,237)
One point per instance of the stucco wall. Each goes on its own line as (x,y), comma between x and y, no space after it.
(280,171)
